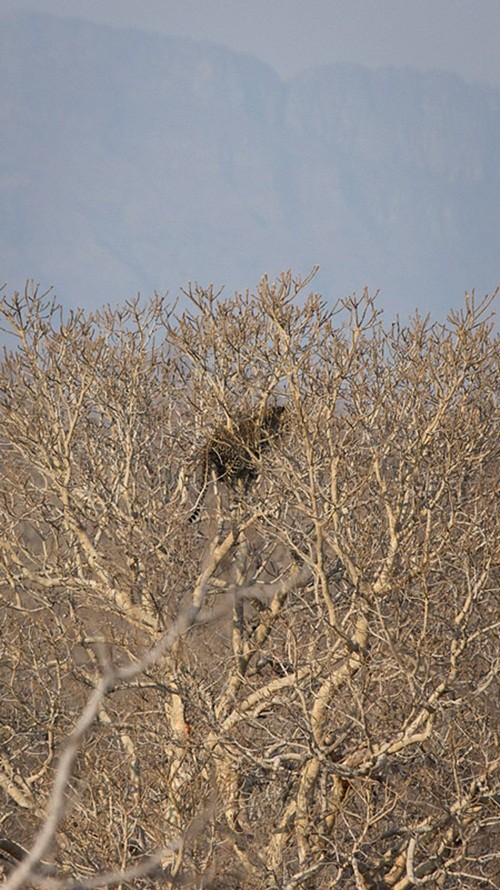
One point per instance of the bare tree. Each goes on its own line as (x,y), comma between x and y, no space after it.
(299,689)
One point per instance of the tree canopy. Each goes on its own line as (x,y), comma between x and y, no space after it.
(299,689)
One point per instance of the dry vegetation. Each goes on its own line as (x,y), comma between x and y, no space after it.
(300,689)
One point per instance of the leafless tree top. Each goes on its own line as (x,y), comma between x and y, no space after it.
(298,690)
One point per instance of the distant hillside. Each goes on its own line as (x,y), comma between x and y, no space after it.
(132,161)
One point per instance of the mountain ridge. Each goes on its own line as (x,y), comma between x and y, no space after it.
(135,161)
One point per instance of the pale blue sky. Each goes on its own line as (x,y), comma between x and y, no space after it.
(462,36)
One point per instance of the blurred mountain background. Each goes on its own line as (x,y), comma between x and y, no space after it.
(131,161)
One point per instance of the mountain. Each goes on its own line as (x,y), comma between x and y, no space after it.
(132,161)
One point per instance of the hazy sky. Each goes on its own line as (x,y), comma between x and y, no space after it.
(454,35)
